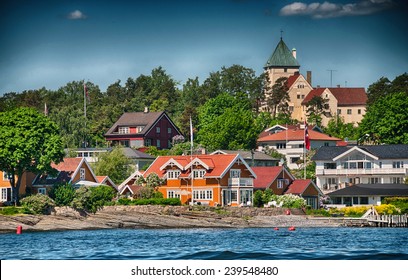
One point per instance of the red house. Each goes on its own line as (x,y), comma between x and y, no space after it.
(143,129)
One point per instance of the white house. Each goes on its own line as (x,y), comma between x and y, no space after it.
(342,166)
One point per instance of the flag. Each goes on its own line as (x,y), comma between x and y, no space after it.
(307,138)
(86,93)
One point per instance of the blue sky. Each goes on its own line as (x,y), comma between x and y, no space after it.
(52,42)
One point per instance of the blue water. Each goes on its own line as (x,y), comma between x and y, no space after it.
(210,244)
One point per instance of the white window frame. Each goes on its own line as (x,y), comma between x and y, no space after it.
(173,194)
(203,194)
(281,183)
(157,129)
(173,174)
(82,173)
(123,130)
(158,143)
(198,173)
(4,194)
(139,128)
(235,173)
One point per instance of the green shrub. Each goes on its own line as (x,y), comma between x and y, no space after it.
(157,201)
(38,204)
(124,201)
(399,202)
(12,210)
(91,199)
(258,202)
(63,195)
(318,212)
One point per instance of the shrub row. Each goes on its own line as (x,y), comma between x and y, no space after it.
(150,201)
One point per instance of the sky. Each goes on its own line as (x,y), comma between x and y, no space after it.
(50,43)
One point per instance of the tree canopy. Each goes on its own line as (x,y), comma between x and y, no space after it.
(29,141)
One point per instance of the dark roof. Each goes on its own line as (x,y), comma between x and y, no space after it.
(397,151)
(282,57)
(135,119)
(372,189)
(247,155)
(136,154)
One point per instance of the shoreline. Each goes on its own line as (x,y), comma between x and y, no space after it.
(164,217)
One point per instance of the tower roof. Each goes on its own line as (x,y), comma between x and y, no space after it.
(282,57)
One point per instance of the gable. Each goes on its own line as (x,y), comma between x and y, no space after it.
(355,153)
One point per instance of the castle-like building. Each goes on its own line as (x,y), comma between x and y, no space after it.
(348,103)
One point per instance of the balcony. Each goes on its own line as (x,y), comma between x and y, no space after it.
(361,171)
(240,182)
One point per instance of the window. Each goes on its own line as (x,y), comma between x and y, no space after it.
(380,164)
(4,194)
(234,195)
(363,200)
(235,173)
(203,194)
(124,143)
(338,111)
(172,194)
(148,142)
(359,111)
(139,128)
(169,130)
(397,164)
(355,200)
(290,108)
(158,143)
(82,173)
(294,159)
(348,111)
(298,96)
(281,183)
(329,165)
(123,130)
(198,173)
(303,96)
(5,176)
(157,129)
(173,174)
(332,181)
(285,70)
(353,165)
(42,190)
(396,180)
(374,180)
(368,165)
(326,144)
(280,145)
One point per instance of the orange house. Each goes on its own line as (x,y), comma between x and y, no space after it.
(212,180)
(5,186)
(71,170)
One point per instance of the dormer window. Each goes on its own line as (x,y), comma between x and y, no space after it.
(235,173)
(173,174)
(198,173)
(123,130)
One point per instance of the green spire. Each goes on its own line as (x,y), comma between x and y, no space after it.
(282,57)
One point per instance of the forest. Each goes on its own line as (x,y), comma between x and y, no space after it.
(225,108)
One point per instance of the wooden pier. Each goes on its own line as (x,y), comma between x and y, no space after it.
(388,220)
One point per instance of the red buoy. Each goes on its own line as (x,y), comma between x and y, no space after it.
(276,228)
(292,228)
(288,212)
(19,230)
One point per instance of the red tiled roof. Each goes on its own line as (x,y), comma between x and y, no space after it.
(297,135)
(69,164)
(217,163)
(265,175)
(344,96)
(101,178)
(349,96)
(298,186)
(311,94)
(292,79)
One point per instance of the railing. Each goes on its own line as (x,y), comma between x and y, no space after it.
(358,171)
(240,182)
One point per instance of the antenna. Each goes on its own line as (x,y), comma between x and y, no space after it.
(331,76)
(281,31)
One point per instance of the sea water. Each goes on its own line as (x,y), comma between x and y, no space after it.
(209,244)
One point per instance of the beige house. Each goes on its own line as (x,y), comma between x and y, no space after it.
(349,103)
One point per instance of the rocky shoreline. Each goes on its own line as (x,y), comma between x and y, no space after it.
(64,218)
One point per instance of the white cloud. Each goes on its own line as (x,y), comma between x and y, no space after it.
(330,10)
(77,14)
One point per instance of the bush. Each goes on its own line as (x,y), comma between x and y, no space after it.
(91,199)
(63,195)
(38,204)
(157,201)
(258,202)
(387,209)
(318,212)
(399,202)
(12,210)
(289,200)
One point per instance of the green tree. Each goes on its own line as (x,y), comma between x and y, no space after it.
(63,194)
(316,107)
(278,97)
(227,122)
(384,86)
(29,142)
(338,128)
(386,120)
(115,164)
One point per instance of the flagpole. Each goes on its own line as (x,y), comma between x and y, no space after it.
(85,113)
(191,160)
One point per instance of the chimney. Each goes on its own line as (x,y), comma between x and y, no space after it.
(146,110)
(338,86)
(294,52)
(309,77)
(203,151)
(318,86)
